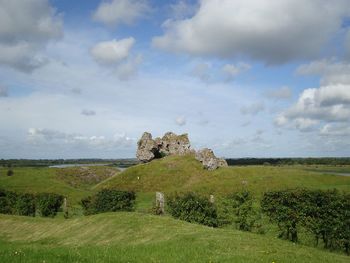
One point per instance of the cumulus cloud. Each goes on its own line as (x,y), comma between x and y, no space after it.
(330,70)
(88,112)
(231,70)
(330,103)
(112,52)
(116,12)
(279,94)
(25,29)
(253,109)
(271,31)
(324,104)
(3,91)
(180,120)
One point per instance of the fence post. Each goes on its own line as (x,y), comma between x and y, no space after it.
(212,199)
(160,202)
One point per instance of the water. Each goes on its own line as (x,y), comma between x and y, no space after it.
(77,165)
(85,165)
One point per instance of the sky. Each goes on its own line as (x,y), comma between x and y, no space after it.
(246,78)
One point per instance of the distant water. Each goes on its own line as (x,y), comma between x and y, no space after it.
(336,173)
(78,165)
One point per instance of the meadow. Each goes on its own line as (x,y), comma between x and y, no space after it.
(141,237)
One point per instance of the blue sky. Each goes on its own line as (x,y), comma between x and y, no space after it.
(247,78)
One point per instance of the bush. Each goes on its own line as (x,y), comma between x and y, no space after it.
(285,209)
(7,202)
(109,200)
(10,172)
(193,208)
(25,205)
(48,204)
(239,209)
(326,214)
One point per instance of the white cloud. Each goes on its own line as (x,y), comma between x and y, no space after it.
(87,112)
(330,70)
(279,94)
(129,68)
(341,130)
(183,9)
(25,29)
(3,91)
(231,70)
(325,104)
(112,52)
(116,12)
(253,109)
(48,136)
(329,103)
(274,31)
(180,120)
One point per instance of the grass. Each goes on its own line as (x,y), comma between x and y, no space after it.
(135,237)
(178,173)
(141,237)
(74,183)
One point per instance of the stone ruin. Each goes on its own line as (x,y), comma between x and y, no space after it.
(172,144)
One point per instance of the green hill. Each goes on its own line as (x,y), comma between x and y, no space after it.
(184,173)
(141,237)
(135,237)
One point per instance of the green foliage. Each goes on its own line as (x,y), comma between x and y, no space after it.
(192,207)
(284,208)
(109,200)
(25,205)
(238,208)
(10,172)
(326,214)
(48,204)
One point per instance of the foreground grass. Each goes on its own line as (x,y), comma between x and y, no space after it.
(135,237)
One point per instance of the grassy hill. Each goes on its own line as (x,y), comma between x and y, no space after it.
(135,237)
(73,182)
(141,237)
(184,173)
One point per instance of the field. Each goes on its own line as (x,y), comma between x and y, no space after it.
(141,237)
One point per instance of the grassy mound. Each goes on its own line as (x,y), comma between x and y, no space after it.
(135,237)
(72,182)
(184,173)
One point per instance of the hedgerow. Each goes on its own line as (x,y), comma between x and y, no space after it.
(192,207)
(109,200)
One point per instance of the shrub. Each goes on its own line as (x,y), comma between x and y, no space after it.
(239,209)
(48,204)
(193,208)
(284,208)
(25,205)
(88,205)
(7,202)
(10,172)
(109,200)
(326,214)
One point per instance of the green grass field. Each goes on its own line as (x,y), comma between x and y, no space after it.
(141,237)
(137,237)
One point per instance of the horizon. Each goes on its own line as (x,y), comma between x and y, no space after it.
(245,78)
